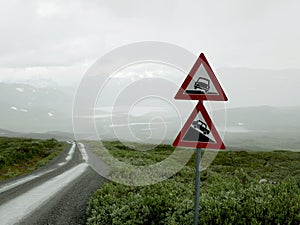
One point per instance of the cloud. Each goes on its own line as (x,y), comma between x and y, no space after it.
(41,76)
(67,33)
(48,9)
(47,33)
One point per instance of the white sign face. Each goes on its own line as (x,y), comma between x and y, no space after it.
(201,83)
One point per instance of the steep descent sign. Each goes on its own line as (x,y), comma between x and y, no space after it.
(201,83)
(199,131)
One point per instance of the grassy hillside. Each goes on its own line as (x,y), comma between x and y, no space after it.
(58,135)
(231,192)
(19,156)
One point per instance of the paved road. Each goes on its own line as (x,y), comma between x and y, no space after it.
(55,194)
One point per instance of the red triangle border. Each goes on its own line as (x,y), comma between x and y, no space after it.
(221,96)
(179,139)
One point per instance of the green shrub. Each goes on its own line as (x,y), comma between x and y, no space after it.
(230,194)
(240,199)
(21,155)
(228,200)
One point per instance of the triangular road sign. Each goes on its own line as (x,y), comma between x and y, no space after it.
(201,83)
(199,131)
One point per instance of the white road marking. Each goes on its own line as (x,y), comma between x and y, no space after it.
(28,178)
(22,181)
(69,156)
(16,209)
(83,152)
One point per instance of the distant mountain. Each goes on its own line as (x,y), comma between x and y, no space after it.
(27,108)
(44,106)
(251,87)
(262,128)
(63,136)
(263,118)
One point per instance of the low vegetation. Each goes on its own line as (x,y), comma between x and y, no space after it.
(238,188)
(19,156)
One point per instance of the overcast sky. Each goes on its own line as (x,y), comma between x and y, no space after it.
(60,39)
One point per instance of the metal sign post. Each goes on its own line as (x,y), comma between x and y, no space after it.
(200,133)
(197,186)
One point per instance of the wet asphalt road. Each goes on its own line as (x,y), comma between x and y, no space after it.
(69,204)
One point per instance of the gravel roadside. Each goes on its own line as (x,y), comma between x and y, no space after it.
(70,203)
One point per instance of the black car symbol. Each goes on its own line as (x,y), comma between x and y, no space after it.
(201,126)
(202,84)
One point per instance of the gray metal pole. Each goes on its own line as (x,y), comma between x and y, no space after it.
(197,186)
